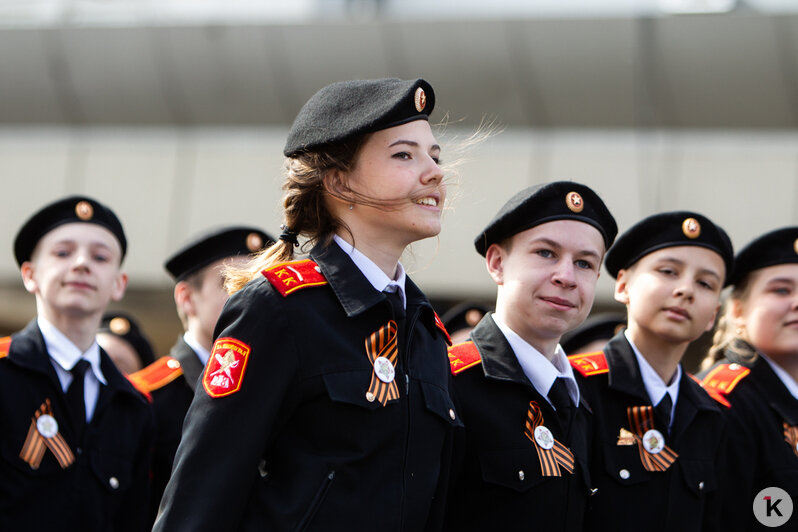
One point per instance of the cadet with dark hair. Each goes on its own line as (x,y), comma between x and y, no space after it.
(325,403)
(526,443)
(754,374)
(76,435)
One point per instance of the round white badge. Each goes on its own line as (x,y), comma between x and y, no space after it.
(47,426)
(384,369)
(653,441)
(544,437)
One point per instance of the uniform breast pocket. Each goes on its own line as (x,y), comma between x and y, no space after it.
(440,403)
(698,475)
(622,463)
(113,472)
(515,469)
(350,387)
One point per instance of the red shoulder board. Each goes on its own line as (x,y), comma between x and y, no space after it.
(291,276)
(442,327)
(5,345)
(140,388)
(463,356)
(721,380)
(225,368)
(156,375)
(589,364)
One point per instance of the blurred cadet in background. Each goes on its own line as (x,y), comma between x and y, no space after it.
(198,269)
(593,334)
(125,343)
(461,318)
(76,435)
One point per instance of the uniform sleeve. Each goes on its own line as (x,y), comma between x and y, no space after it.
(225,437)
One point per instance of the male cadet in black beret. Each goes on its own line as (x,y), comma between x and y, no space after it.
(197,268)
(527,428)
(124,342)
(593,334)
(76,435)
(755,377)
(657,433)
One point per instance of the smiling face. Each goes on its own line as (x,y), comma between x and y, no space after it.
(395,187)
(672,294)
(547,279)
(75,271)
(769,311)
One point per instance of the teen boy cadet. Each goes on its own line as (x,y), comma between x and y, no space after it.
(526,445)
(76,435)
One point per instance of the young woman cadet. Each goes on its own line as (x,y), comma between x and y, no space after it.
(755,376)
(325,402)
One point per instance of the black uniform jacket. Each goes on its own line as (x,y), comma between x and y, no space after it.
(681,498)
(756,453)
(299,447)
(107,487)
(170,404)
(498,482)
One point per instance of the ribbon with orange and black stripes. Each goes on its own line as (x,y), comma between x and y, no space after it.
(383,343)
(37,444)
(791,436)
(641,419)
(551,460)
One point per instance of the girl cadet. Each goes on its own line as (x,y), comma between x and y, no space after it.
(755,353)
(656,431)
(325,403)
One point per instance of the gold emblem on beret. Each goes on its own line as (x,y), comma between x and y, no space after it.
(420,99)
(84,210)
(119,326)
(473,316)
(795,245)
(254,242)
(574,201)
(691,228)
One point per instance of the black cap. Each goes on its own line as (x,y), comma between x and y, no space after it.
(777,247)
(539,204)
(464,315)
(598,327)
(64,211)
(349,108)
(215,245)
(125,327)
(667,230)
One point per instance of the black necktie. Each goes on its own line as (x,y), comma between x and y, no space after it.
(662,412)
(74,396)
(396,303)
(558,395)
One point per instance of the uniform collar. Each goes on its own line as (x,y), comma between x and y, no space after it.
(189,362)
(373,273)
(655,386)
(66,354)
(624,372)
(202,354)
(498,360)
(772,388)
(785,378)
(538,369)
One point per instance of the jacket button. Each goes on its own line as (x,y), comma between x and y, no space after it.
(172,364)
(521,475)
(113,482)
(624,474)
(451,414)
(701,486)
(370,397)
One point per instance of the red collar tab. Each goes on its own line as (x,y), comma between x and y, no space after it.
(289,277)
(589,364)
(463,356)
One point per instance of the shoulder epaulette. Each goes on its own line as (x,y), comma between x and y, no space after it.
(589,364)
(289,277)
(156,375)
(722,379)
(442,327)
(463,356)
(5,345)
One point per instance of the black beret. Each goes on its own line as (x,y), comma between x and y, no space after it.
(667,230)
(599,327)
(539,204)
(215,245)
(64,211)
(463,315)
(349,108)
(777,247)
(125,327)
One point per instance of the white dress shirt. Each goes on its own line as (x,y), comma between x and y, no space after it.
(373,273)
(655,386)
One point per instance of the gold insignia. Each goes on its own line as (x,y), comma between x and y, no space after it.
(84,210)
(420,99)
(691,228)
(795,245)
(254,242)
(473,316)
(574,201)
(119,326)
(625,437)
